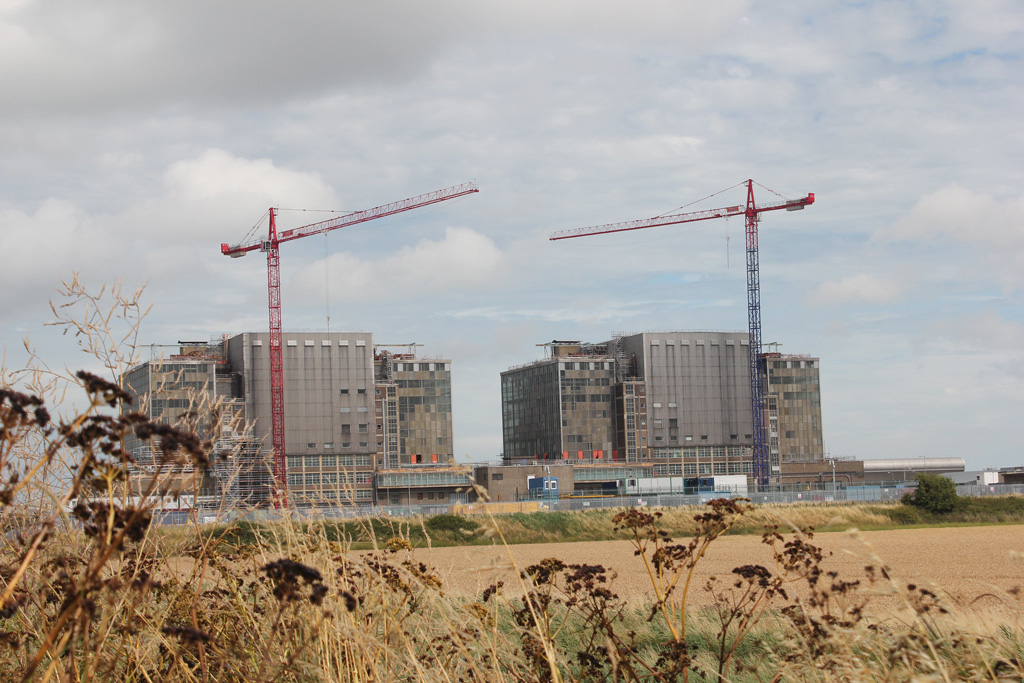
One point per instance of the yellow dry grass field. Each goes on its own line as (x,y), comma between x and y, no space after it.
(971,566)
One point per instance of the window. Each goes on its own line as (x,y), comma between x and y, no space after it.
(344,391)
(328,446)
(294,480)
(329,460)
(361,409)
(310,445)
(363,428)
(294,461)
(430,495)
(346,429)
(360,391)
(312,478)
(497,476)
(312,461)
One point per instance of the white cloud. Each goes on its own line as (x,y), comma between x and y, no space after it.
(263,50)
(217,173)
(964,215)
(463,259)
(985,331)
(992,227)
(216,197)
(40,249)
(860,288)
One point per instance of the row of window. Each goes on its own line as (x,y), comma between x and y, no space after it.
(317,478)
(688,468)
(699,452)
(689,437)
(780,364)
(333,495)
(329,460)
(329,446)
(422,367)
(597,365)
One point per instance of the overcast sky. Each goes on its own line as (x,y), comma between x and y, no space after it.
(137,137)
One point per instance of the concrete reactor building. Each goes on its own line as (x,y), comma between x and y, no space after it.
(353,414)
(674,403)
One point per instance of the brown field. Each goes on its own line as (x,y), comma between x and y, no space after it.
(979,565)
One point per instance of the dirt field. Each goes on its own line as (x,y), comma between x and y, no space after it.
(970,564)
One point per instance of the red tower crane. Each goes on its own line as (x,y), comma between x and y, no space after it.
(751,213)
(271,245)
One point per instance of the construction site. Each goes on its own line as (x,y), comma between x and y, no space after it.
(333,420)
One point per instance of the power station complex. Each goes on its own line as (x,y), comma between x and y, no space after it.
(367,424)
(329,419)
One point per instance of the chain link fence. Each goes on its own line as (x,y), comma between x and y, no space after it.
(813,494)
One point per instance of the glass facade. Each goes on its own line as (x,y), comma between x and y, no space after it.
(531,412)
(560,409)
(424,412)
(794,408)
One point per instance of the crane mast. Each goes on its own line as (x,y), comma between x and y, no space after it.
(271,245)
(751,213)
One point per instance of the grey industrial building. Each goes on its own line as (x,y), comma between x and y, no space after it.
(668,403)
(352,412)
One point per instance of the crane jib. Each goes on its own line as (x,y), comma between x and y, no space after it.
(762,459)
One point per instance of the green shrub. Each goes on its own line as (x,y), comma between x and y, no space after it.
(453,524)
(934,493)
(905,515)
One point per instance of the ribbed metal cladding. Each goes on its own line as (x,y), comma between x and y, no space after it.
(914,464)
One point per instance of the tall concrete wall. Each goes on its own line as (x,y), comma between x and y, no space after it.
(328,385)
(699,380)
